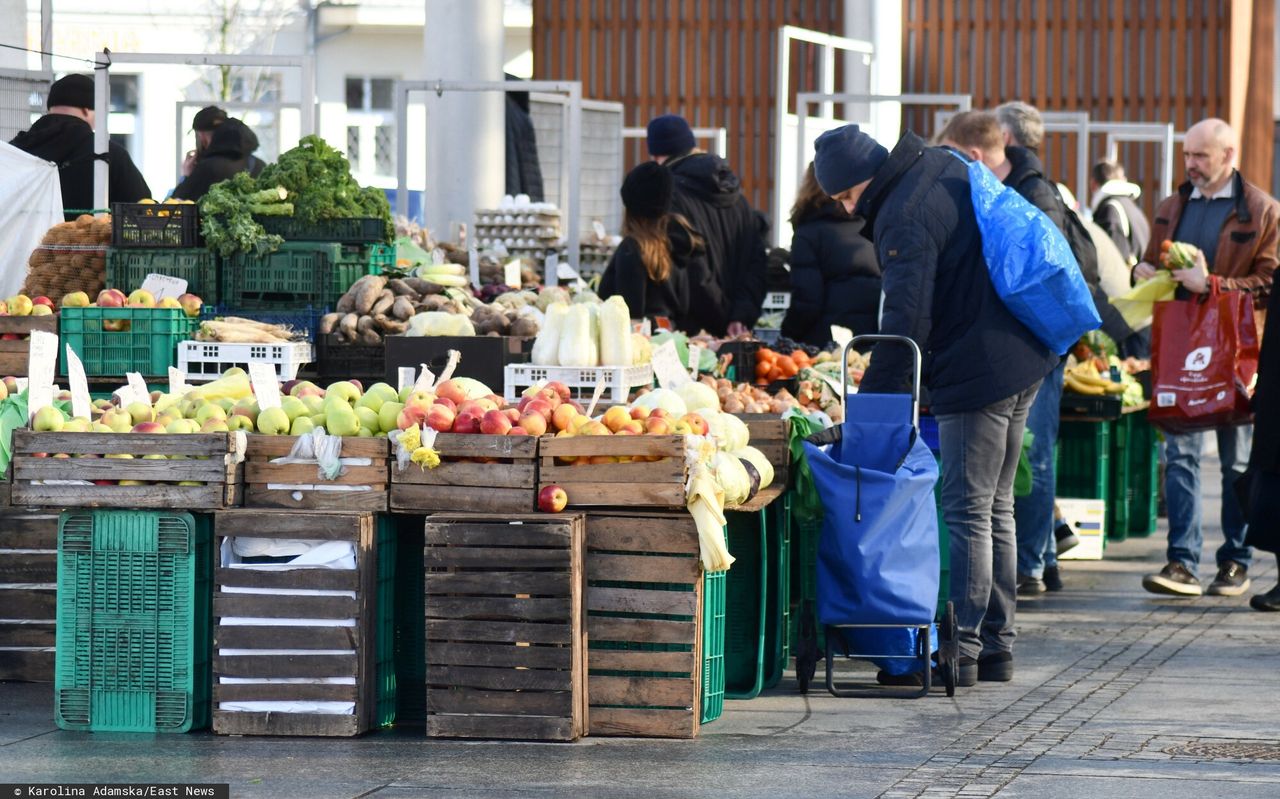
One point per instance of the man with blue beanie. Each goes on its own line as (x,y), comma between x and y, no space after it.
(982,366)
(708,194)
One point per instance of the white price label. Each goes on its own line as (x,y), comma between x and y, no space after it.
(667,367)
(42,350)
(450,365)
(598,228)
(473,266)
(405,377)
(695,358)
(841,335)
(177,381)
(138,387)
(511,273)
(426,379)
(162,286)
(266,386)
(80,404)
(595,397)
(437,256)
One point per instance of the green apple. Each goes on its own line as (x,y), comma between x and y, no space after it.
(368,418)
(210,411)
(314,403)
(273,422)
(141,412)
(388,415)
(227,404)
(365,433)
(301,426)
(48,420)
(76,425)
(371,401)
(317,419)
(344,390)
(340,418)
(293,407)
(178,427)
(238,421)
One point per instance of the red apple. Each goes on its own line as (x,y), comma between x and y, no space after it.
(499,402)
(472,407)
(534,423)
(517,431)
(512,415)
(552,499)
(448,403)
(148,427)
(495,423)
(563,415)
(451,390)
(577,406)
(559,388)
(640,413)
(441,417)
(42,300)
(412,416)
(466,423)
(541,407)
(696,423)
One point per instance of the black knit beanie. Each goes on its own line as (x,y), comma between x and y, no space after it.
(646,190)
(72,90)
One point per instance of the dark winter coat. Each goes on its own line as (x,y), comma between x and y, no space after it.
(937,289)
(524,172)
(68,142)
(229,152)
(688,287)
(835,279)
(1264,460)
(1027,178)
(707,193)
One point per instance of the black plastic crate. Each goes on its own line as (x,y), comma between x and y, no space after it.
(483,357)
(155,225)
(1106,406)
(336,361)
(744,358)
(360,230)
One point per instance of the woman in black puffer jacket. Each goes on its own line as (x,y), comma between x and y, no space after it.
(835,278)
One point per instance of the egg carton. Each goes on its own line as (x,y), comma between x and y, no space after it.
(497,216)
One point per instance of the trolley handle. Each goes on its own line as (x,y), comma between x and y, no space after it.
(916,364)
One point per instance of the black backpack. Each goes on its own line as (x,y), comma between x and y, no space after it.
(1081,244)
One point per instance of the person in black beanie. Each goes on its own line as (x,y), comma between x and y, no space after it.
(65,137)
(206,122)
(660,268)
(709,195)
(982,366)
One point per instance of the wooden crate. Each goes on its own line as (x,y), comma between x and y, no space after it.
(207,458)
(260,474)
(645,669)
(504,639)
(477,473)
(28,593)
(15,353)
(772,436)
(356,642)
(594,483)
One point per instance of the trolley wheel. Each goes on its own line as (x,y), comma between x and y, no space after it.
(949,654)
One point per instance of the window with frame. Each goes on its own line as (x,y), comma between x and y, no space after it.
(371,141)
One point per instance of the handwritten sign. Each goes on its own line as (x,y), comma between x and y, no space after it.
(595,397)
(138,387)
(426,379)
(511,273)
(266,387)
(841,335)
(695,358)
(80,404)
(162,286)
(667,367)
(177,381)
(473,265)
(43,354)
(405,376)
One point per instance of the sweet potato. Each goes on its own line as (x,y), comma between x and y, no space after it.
(402,308)
(383,304)
(329,322)
(347,326)
(366,291)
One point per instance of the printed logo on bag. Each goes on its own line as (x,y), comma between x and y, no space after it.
(1221,396)
(1198,359)
(1199,401)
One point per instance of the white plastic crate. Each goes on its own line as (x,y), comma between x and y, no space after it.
(204,360)
(777,301)
(581,380)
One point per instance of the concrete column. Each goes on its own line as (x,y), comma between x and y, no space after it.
(466,131)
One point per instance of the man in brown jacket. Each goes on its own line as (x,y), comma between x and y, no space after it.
(1233,224)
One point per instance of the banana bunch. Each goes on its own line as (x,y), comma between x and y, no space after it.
(444,274)
(1087,380)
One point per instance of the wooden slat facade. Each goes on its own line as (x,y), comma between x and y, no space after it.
(1124,61)
(710,60)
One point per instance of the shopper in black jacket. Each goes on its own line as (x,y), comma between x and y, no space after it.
(1115,210)
(835,279)
(708,194)
(660,268)
(65,137)
(1264,462)
(228,153)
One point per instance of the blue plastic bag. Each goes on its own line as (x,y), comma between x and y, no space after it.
(1031,264)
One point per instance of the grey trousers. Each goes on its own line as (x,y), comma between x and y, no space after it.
(980,452)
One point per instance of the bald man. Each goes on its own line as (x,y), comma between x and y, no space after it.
(1233,224)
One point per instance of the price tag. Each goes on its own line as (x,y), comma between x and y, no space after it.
(406,376)
(266,387)
(450,365)
(177,381)
(667,367)
(598,228)
(695,358)
(162,286)
(473,265)
(138,387)
(80,405)
(43,355)
(646,327)
(841,335)
(595,397)
(426,379)
(511,273)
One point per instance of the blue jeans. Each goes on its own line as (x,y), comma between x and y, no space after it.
(980,452)
(1182,495)
(1033,514)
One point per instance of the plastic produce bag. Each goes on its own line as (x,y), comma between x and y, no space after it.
(30,204)
(1031,264)
(1204,359)
(1137,304)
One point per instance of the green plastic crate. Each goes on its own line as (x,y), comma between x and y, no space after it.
(128,268)
(1144,475)
(297,274)
(1118,492)
(746,605)
(149,345)
(713,632)
(1084,460)
(385,636)
(777,633)
(133,621)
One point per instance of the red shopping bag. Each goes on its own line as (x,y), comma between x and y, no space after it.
(1204,357)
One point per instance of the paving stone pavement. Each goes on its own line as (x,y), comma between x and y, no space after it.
(1118,693)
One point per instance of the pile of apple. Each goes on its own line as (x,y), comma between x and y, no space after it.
(22,305)
(115,298)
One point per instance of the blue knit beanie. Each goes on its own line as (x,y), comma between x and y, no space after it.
(845,157)
(670,134)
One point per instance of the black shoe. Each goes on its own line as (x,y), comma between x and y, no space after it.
(911,679)
(1174,579)
(966,672)
(1064,540)
(1268,602)
(1030,586)
(996,667)
(1232,580)
(1052,578)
